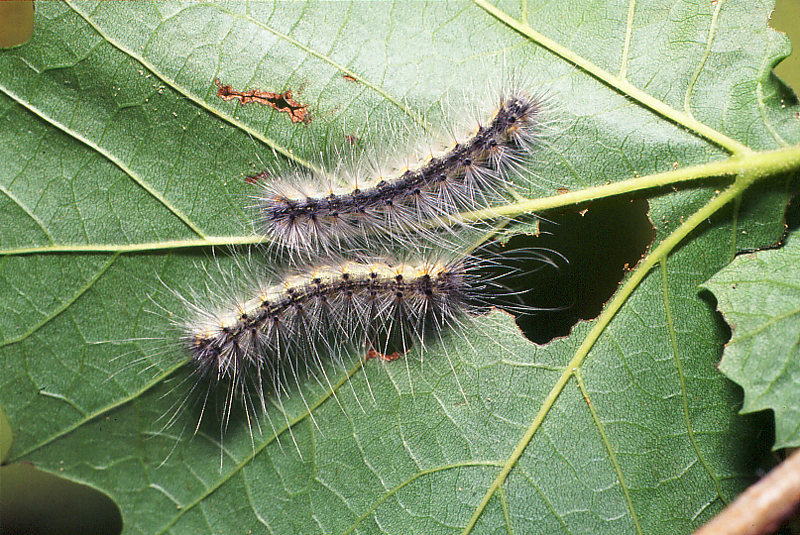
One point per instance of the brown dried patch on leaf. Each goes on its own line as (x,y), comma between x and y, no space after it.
(372,354)
(252,179)
(282,102)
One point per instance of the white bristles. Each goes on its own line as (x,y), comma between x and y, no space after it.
(330,304)
(313,214)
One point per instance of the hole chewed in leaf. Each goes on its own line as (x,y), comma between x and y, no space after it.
(598,244)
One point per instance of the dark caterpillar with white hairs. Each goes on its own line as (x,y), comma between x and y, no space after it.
(315,214)
(286,328)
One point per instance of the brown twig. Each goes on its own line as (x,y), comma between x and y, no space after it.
(763,507)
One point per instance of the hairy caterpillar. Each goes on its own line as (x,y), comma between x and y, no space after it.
(325,309)
(315,214)
(261,347)
(258,344)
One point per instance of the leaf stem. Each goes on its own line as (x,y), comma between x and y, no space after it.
(105,153)
(673,344)
(754,164)
(188,93)
(618,83)
(610,450)
(757,164)
(669,243)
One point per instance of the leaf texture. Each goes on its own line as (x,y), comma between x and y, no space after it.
(122,168)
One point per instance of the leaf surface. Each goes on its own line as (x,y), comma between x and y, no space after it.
(122,168)
(759,296)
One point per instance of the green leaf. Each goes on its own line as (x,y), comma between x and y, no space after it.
(759,296)
(122,168)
